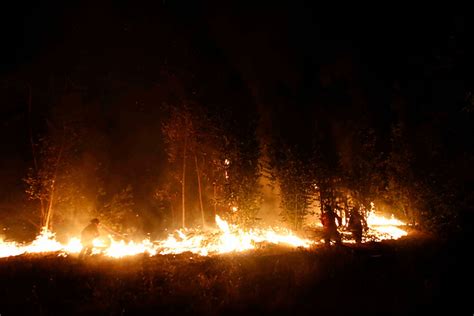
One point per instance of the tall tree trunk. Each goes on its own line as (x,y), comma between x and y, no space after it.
(215,199)
(321,198)
(49,214)
(199,190)
(296,212)
(172,215)
(32,143)
(346,209)
(183,183)
(50,205)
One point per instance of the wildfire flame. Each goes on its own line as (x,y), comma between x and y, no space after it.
(230,238)
(385,228)
(227,238)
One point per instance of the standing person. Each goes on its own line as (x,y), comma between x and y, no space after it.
(88,234)
(328,219)
(357,224)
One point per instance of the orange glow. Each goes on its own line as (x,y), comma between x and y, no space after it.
(227,238)
(385,228)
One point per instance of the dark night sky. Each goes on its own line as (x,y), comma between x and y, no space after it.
(295,59)
(279,51)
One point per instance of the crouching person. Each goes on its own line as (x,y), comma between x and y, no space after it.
(88,234)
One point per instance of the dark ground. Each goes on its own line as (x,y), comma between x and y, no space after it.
(411,276)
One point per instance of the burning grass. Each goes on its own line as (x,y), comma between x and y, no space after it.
(226,239)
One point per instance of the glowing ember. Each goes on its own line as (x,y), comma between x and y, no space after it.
(227,238)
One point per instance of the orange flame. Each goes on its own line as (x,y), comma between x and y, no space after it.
(227,238)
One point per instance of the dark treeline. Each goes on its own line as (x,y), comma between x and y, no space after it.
(166,114)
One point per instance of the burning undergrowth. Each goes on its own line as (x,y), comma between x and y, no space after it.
(227,238)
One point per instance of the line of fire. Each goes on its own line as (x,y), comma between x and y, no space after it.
(227,238)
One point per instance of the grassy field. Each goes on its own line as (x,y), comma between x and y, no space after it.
(413,275)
